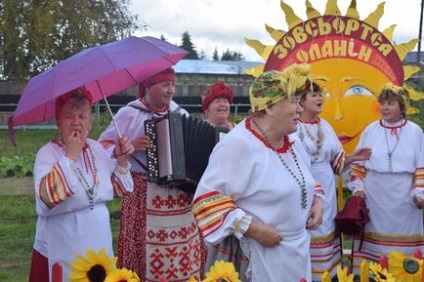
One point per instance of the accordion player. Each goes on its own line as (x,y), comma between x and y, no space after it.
(180,149)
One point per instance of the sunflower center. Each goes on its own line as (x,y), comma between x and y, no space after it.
(381,275)
(411,266)
(97,273)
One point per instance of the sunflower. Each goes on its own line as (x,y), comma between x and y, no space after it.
(192,279)
(222,270)
(93,268)
(122,275)
(326,277)
(403,268)
(343,276)
(380,274)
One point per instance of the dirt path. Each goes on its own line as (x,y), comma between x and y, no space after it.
(16,186)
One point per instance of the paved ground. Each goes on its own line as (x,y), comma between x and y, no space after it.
(16,185)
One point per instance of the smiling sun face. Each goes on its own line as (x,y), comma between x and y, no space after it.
(349,57)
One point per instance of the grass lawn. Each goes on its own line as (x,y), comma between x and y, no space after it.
(17,230)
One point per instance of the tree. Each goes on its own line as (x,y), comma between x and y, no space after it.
(232,56)
(215,55)
(189,46)
(36,34)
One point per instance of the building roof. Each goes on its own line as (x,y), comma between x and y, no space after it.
(240,67)
(214,67)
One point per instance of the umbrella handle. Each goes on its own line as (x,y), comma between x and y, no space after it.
(113,118)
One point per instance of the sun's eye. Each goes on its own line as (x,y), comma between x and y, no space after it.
(358,90)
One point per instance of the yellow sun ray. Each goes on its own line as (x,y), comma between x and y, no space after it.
(311,11)
(388,32)
(352,12)
(291,18)
(332,8)
(276,34)
(374,18)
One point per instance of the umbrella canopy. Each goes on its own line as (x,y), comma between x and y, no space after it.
(103,70)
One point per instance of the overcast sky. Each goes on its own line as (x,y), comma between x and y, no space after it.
(224,24)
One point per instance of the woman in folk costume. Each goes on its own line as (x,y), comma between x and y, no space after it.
(158,236)
(392,181)
(258,187)
(327,159)
(74,177)
(216,104)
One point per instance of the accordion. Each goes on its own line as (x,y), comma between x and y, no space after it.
(180,149)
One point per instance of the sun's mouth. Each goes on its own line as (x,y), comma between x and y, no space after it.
(345,138)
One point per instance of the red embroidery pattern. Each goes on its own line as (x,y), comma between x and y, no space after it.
(159,237)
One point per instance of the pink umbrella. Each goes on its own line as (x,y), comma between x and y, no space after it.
(103,70)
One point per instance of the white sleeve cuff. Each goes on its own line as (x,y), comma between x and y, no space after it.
(241,226)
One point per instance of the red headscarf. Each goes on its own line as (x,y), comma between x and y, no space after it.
(61,100)
(165,75)
(216,90)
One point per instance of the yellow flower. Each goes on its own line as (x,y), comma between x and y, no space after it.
(326,277)
(364,271)
(93,268)
(343,276)
(122,275)
(192,279)
(222,270)
(405,269)
(380,274)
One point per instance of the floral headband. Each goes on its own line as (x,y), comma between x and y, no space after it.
(272,86)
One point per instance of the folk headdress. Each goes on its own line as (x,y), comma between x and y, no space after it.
(216,90)
(165,75)
(390,90)
(272,86)
(78,94)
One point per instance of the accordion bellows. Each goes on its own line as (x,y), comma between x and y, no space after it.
(180,149)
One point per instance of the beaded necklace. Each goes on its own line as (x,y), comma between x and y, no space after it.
(301,181)
(92,190)
(318,141)
(390,151)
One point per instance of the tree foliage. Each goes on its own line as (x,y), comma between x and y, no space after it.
(215,55)
(232,56)
(188,45)
(36,34)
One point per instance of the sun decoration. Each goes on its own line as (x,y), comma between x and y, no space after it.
(380,274)
(406,269)
(222,270)
(353,56)
(95,267)
(122,275)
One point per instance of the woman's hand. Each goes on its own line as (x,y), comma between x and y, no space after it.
(141,143)
(315,214)
(359,193)
(74,143)
(362,154)
(123,150)
(419,202)
(265,235)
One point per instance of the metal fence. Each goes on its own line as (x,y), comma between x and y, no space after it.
(99,110)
